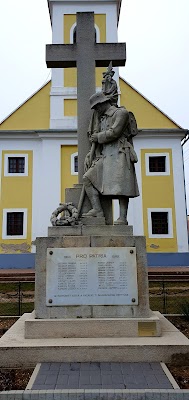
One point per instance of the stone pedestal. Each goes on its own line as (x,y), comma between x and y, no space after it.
(93,230)
(86,237)
(18,351)
(89,332)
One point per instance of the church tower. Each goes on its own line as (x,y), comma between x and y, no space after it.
(63,95)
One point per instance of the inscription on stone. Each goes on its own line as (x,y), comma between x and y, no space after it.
(91,276)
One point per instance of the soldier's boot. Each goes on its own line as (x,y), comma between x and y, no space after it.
(123,208)
(93,196)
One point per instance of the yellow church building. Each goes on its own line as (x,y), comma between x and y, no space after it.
(38,155)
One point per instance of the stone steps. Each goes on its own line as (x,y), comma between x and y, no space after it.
(16,351)
(92,327)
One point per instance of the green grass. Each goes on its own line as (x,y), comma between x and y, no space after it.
(13,308)
(6,287)
(176,296)
(173,304)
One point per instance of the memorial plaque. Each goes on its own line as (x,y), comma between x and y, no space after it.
(91,276)
(147,329)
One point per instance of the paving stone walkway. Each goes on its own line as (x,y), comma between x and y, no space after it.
(97,375)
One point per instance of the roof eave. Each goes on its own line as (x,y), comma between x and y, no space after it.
(119,2)
(72,133)
(163,132)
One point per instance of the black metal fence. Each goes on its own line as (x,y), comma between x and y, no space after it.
(16,298)
(168,297)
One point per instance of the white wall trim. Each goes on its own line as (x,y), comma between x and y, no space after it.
(72,32)
(135,210)
(73,172)
(167,164)
(161,134)
(6,157)
(67,92)
(4,227)
(170,223)
(66,122)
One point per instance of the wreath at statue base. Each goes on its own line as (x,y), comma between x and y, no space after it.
(69,215)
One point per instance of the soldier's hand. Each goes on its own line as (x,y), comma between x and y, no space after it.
(94,137)
(87,162)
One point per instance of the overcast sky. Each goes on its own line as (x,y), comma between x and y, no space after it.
(157,37)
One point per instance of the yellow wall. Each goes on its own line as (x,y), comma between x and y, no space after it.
(70,74)
(67,180)
(158,192)
(70,108)
(33,114)
(16,192)
(146,114)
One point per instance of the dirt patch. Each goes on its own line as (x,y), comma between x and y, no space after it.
(12,297)
(181,323)
(14,379)
(5,324)
(180,372)
(181,375)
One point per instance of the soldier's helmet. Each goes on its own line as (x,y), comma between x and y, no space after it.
(98,98)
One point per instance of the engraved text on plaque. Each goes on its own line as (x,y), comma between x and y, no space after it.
(91,276)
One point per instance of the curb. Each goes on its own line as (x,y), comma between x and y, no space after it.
(102,394)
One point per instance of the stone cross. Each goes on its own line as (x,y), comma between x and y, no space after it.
(85,54)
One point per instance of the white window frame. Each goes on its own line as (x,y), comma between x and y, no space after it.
(72,31)
(170,223)
(73,172)
(6,164)
(167,164)
(4,230)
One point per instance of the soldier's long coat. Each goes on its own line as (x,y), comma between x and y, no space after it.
(112,171)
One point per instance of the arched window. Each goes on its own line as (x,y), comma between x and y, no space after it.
(75,34)
(74,164)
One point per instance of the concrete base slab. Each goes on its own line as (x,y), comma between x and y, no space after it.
(16,351)
(91,327)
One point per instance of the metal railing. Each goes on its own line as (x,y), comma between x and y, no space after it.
(16,298)
(166,296)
